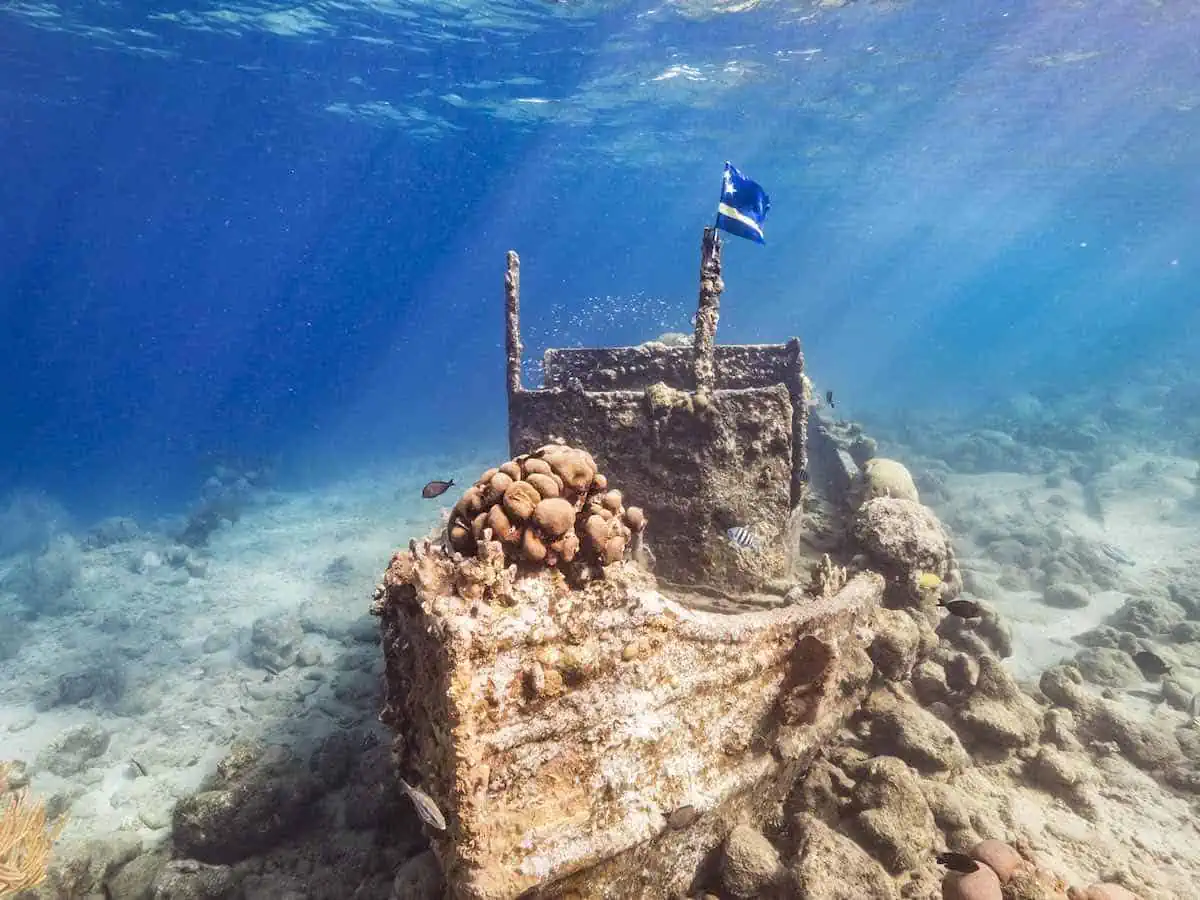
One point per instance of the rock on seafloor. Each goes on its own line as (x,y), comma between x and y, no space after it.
(982,884)
(751,865)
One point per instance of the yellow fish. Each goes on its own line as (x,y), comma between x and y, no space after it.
(928,581)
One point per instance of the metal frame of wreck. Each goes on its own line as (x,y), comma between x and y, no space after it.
(583,384)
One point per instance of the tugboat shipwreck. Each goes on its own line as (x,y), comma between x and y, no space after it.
(595,684)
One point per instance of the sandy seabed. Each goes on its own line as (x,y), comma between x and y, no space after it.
(160,658)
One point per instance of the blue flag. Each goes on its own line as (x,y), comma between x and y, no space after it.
(743,206)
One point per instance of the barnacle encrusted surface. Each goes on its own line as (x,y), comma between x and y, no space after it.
(560,728)
(547,508)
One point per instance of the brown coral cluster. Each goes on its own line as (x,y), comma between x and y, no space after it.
(546,507)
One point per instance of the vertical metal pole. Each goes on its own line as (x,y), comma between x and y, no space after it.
(512,342)
(708,311)
(512,321)
(795,386)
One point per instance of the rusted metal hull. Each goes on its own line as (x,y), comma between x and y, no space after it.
(559,730)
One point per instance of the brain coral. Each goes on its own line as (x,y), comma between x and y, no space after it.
(887,478)
(546,507)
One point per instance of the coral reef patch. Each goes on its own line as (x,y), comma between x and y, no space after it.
(550,507)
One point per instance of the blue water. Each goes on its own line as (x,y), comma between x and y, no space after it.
(279,231)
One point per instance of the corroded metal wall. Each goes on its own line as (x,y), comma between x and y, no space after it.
(696,473)
(634,368)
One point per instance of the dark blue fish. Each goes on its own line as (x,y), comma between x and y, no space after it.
(1151,664)
(436,488)
(957,862)
(964,609)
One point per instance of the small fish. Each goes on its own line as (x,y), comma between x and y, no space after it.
(1151,664)
(436,488)
(744,537)
(829,399)
(957,862)
(1194,707)
(929,581)
(804,476)
(964,609)
(138,767)
(426,808)
(1115,554)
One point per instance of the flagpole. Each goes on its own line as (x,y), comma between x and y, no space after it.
(512,339)
(708,312)
(512,321)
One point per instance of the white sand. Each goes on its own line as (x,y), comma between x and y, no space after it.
(184,705)
(1155,523)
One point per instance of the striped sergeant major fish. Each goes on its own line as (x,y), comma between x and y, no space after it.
(744,537)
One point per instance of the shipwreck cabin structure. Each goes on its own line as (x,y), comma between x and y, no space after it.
(706,437)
